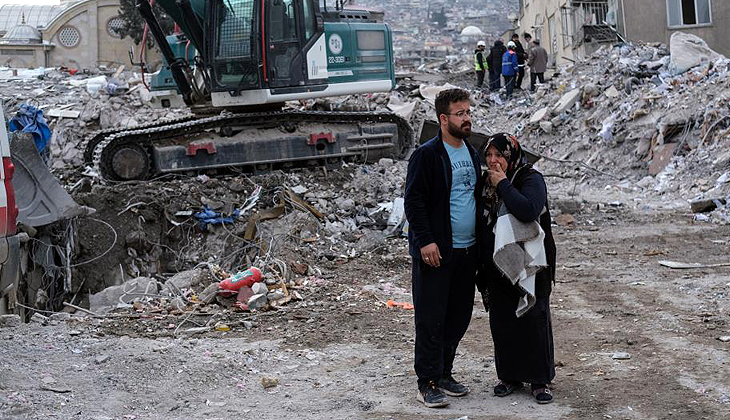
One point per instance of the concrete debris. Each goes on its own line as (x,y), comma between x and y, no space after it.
(566,101)
(706,205)
(539,115)
(546,126)
(9,321)
(688,51)
(123,295)
(259,288)
(611,92)
(257,301)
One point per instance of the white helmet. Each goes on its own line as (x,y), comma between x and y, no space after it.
(481,44)
(511,44)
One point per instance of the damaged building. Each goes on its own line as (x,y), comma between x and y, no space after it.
(572,30)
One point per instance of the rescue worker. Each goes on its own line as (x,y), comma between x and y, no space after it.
(510,68)
(480,64)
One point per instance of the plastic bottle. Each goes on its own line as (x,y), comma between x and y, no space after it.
(240,279)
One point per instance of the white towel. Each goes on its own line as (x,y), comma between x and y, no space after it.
(519,253)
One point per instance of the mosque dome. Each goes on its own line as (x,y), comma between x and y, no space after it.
(471,31)
(22,34)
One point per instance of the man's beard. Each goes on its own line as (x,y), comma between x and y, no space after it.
(460,132)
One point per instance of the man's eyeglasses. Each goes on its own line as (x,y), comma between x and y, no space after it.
(462,114)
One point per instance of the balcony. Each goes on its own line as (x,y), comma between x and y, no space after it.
(592,22)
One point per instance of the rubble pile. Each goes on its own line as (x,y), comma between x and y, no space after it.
(632,121)
(295,226)
(626,115)
(77,105)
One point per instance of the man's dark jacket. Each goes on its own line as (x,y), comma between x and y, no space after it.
(520,50)
(428,195)
(495,56)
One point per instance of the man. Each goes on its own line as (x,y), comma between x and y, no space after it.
(494,62)
(521,57)
(528,42)
(510,68)
(537,61)
(479,63)
(440,205)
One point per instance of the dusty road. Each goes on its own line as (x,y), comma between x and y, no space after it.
(342,354)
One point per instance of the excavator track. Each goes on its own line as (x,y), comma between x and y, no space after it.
(90,142)
(131,154)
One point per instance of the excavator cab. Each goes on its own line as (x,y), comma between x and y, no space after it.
(265,51)
(256,52)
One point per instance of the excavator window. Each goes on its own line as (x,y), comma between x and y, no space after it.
(282,21)
(310,20)
(235,64)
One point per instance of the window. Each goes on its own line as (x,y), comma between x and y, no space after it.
(565,19)
(282,25)
(113,25)
(234,63)
(310,20)
(69,36)
(688,12)
(234,37)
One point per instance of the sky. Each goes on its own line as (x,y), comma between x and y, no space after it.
(28,2)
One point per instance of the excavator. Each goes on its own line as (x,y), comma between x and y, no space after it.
(235,63)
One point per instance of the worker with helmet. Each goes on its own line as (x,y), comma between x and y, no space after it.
(480,65)
(509,67)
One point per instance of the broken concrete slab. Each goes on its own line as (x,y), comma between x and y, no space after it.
(539,115)
(566,101)
(611,92)
(688,51)
(257,301)
(63,113)
(259,288)
(546,126)
(124,293)
(183,280)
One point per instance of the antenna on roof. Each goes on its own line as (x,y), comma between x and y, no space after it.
(22,21)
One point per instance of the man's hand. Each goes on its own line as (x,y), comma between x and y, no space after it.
(431,255)
(495,175)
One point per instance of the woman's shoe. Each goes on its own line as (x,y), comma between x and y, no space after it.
(542,395)
(505,388)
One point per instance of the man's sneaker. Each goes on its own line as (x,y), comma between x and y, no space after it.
(431,396)
(451,387)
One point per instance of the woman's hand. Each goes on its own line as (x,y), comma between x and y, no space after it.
(495,175)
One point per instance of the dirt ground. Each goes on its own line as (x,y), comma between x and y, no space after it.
(341,353)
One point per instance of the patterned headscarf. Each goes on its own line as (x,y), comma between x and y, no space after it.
(511,150)
(509,147)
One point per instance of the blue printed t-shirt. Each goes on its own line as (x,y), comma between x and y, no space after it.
(463,204)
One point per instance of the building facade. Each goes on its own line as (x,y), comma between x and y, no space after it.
(77,34)
(572,29)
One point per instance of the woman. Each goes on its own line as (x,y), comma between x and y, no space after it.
(523,344)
